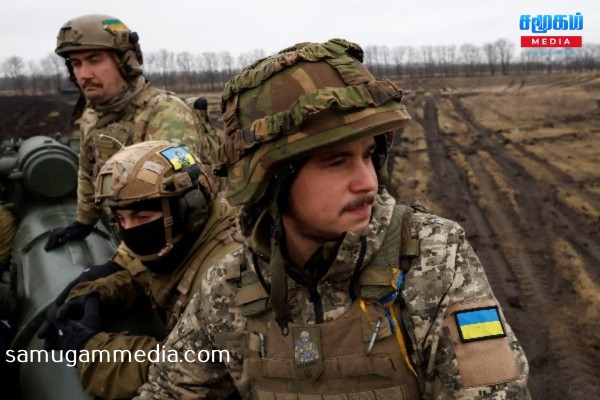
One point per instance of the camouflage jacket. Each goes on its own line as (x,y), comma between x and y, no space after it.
(153,114)
(446,278)
(168,293)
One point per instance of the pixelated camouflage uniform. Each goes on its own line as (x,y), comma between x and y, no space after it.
(118,291)
(446,277)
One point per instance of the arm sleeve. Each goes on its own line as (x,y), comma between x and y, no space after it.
(117,291)
(211,327)
(490,367)
(87,212)
(116,377)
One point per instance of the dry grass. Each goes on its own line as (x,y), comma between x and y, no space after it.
(578,156)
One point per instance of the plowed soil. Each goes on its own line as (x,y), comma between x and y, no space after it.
(515,160)
(26,116)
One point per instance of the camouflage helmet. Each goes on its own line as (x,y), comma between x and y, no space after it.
(102,32)
(157,170)
(301,101)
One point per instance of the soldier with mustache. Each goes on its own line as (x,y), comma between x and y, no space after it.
(390,301)
(118,107)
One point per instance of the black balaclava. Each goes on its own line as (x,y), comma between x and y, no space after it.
(150,238)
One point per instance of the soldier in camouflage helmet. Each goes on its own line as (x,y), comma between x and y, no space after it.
(159,195)
(104,60)
(341,292)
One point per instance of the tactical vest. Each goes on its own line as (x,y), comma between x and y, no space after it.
(108,136)
(360,353)
(174,292)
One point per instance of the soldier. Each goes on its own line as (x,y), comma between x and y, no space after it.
(169,221)
(392,303)
(104,60)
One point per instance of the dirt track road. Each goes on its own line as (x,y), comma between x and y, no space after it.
(540,255)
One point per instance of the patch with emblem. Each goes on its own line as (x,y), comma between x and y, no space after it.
(178,157)
(307,351)
(479,324)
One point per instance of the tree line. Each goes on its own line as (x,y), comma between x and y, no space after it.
(208,71)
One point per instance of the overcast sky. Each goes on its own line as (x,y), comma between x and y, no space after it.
(28,28)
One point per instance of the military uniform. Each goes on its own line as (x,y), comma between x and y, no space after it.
(189,231)
(387,304)
(152,114)
(444,281)
(169,294)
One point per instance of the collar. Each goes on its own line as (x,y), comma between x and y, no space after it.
(123,98)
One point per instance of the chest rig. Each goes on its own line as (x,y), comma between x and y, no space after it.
(362,354)
(109,131)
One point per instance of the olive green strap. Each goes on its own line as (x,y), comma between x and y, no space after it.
(409,247)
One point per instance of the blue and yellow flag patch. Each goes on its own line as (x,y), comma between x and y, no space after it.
(114,25)
(178,157)
(479,324)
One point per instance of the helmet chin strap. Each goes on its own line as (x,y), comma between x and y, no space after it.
(278,296)
(168,220)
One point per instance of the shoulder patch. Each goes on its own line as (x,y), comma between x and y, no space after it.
(479,324)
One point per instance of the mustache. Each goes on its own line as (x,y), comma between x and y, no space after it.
(359,202)
(88,84)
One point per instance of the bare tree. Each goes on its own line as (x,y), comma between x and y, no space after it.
(226,61)
(428,60)
(590,56)
(471,57)
(54,66)
(371,58)
(150,64)
(36,79)
(165,65)
(248,58)
(13,69)
(491,54)
(185,64)
(451,57)
(505,52)
(210,62)
(398,53)
(412,60)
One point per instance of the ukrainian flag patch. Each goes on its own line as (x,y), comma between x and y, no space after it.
(178,157)
(479,324)
(114,25)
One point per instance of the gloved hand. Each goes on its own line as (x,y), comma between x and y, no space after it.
(60,236)
(71,334)
(75,308)
(89,274)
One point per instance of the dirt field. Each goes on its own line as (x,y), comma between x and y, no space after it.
(516,161)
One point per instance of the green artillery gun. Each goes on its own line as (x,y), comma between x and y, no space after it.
(38,184)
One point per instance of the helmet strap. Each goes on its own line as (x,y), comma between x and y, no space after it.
(168,221)
(278,296)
